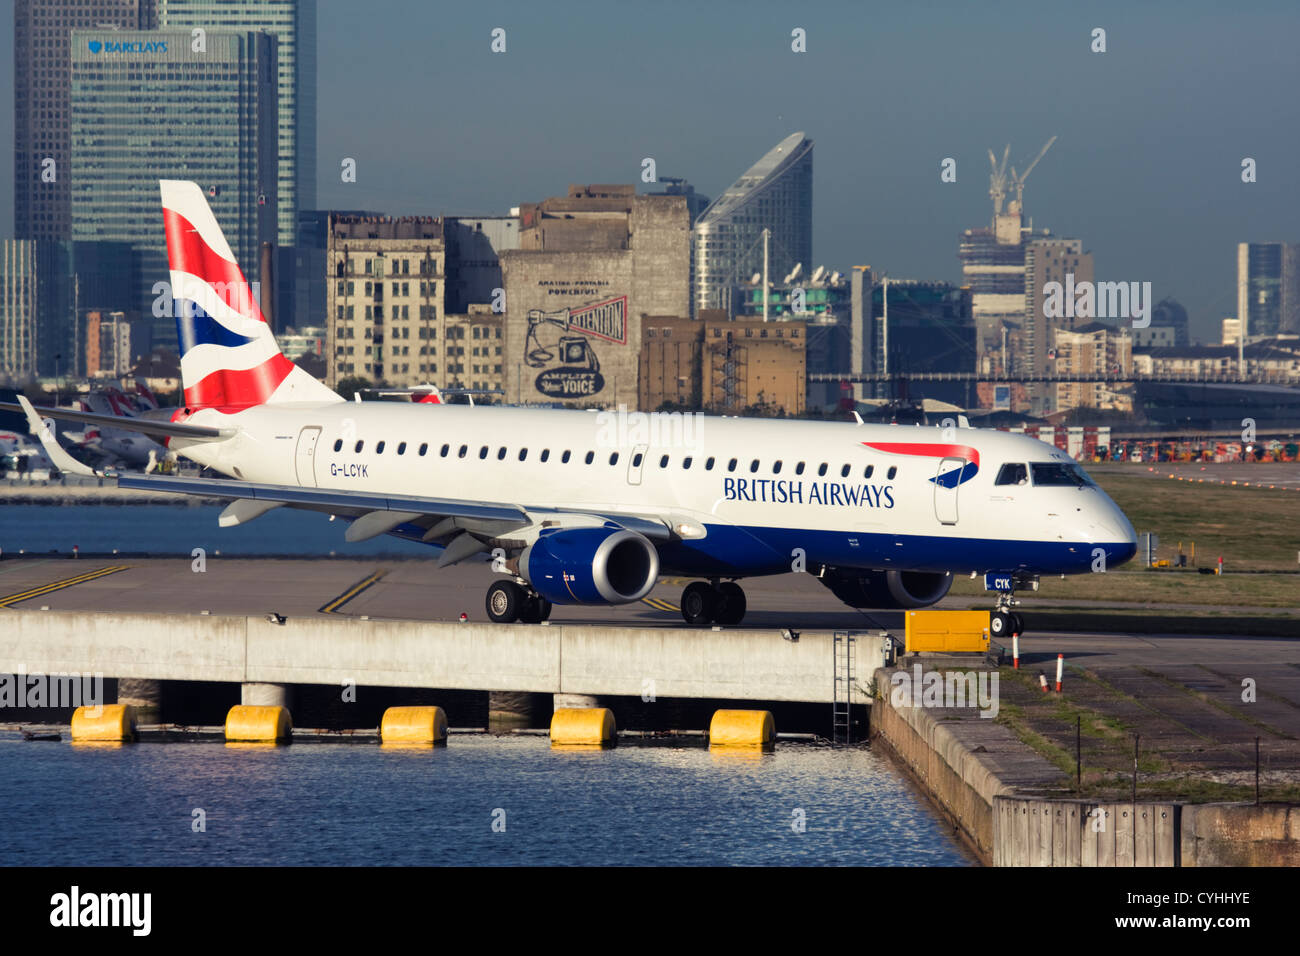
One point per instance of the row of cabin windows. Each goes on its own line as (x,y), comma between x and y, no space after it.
(590,457)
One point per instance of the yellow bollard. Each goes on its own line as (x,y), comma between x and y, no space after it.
(249,723)
(414,725)
(749,729)
(106,722)
(583,727)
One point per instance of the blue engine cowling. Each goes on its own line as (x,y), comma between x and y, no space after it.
(590,566)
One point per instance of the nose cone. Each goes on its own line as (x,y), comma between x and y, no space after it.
(1116,532)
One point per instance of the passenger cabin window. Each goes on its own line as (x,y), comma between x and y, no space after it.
(564,459)
(360,444)
(844,472)
(546,453)
(708,463)
(686,462)
(731,465)
(636,460)
(501,453)
(338,444)
(482,452)
(613,459)
(523,454)
(663,462)
(591,456)
(401,448)
(798,469)
(463,450)
(776,467)
(1013,473)
(821,469)
(893,470)
(753,465)
(869,470)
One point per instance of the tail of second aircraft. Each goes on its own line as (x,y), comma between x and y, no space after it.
(229,358)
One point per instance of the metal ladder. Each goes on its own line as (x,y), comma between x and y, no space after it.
(842,699)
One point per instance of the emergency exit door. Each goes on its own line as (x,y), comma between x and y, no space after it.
(946,484)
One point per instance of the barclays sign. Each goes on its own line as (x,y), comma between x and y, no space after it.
(132,46)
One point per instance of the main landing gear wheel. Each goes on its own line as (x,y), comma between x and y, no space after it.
(732,611)
(505,600)
(704,604)
(699,604)
(508,602)
(535,609)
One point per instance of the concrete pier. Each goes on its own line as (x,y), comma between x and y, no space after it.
(266,695)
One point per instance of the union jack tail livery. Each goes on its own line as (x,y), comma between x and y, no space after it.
(229,359)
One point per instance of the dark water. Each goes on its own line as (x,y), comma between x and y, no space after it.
(357,804)
(177,529)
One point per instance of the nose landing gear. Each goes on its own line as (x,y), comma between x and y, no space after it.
(708,602)
(1004,621)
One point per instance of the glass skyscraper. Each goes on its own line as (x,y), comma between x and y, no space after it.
(147,106)
(293,22)
(775,194)
(42,29)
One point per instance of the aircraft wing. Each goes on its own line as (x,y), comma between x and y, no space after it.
(146,426)
(375,514)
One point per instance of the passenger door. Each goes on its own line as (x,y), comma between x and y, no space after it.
(305,459)
(947,480)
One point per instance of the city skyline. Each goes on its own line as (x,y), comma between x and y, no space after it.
(1146,171)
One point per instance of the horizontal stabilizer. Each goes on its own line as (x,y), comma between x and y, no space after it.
(146,426)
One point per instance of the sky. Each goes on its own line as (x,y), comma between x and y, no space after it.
(1146,169)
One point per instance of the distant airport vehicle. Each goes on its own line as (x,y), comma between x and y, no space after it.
(593,507)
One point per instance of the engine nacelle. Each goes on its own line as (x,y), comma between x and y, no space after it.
(887,590)
(590,566)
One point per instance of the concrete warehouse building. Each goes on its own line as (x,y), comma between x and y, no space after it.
(589,266)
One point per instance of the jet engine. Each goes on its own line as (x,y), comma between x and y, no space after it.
(590,566)
(887,590)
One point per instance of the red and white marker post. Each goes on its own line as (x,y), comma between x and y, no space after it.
(1060,667)
(1015,651)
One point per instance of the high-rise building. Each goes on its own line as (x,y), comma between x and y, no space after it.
(774,194)
(147,106)
(42,116)
(384,295)
(18,338)
(293,24)
(1049,261)
(930,329)
(1268,287)
(993,265)
(1094,348)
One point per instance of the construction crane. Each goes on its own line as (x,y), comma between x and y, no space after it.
(1019,179)
(998,179)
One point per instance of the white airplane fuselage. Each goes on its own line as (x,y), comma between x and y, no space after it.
(751,496)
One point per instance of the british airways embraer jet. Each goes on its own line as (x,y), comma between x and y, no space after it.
(574,511)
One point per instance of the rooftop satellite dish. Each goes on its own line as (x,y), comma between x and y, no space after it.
(755,278)
(835,278)
(818,273)
(796,271)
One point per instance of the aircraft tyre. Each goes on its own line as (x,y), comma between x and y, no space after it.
(534,609)
(1000,624)
(731,604)
(505,601)
(699,604)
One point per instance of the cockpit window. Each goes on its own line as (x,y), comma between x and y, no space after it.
(1062,473)
(1013,473)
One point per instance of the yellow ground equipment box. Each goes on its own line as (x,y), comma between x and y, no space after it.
(947,631)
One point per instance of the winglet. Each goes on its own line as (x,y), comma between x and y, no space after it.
(62,460)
